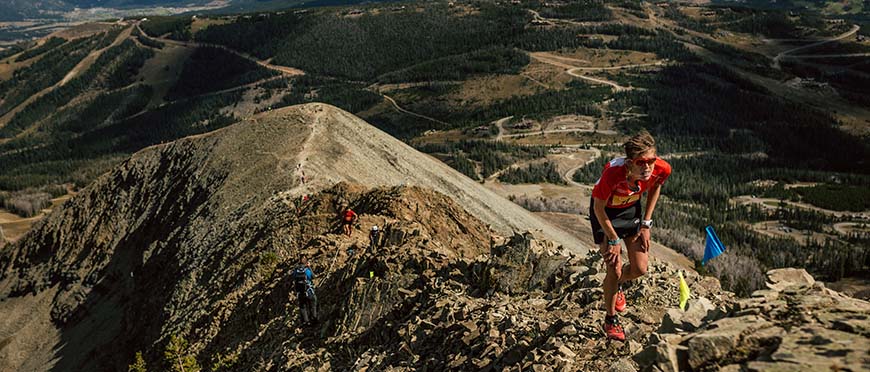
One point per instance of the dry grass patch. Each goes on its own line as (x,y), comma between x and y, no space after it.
(695,13)
(575,138)
(249,106)
(535,190)
(569,122)
(15,226)
(18,24)
(441,136)
(8,66)
(778,230)
(162,71)
(200,24)
(14,230)
(586,57)
(383,106)
(747,42)
(570,160)
(550,76)
(486,90)
(82,30)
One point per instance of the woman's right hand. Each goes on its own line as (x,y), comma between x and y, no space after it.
(611,253)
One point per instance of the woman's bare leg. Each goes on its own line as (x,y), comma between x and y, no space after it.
(638,260)
(614,272)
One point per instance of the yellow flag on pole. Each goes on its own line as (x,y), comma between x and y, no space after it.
(684,292)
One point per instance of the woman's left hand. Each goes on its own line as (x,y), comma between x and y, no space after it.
(644,238)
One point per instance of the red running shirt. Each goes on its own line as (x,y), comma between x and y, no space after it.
(613,187)
(349,215)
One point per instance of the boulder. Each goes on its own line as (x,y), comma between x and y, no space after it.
(524,263)
(396,234)
(780,279)
(568,330)
(722,339)
(766,294)
(565,351)
(813,347)
(696,312)
(664,355)
(622,365)
(763,342)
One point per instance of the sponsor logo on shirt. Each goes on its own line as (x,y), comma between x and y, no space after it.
(623,200)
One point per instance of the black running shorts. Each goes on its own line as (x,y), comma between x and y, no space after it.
(626,221)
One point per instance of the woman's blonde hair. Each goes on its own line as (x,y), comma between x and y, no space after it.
(639,144)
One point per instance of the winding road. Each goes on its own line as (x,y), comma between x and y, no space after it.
(569,175)
(572,70)
(812,56)
(786,54)
(748,199)
(284,70)
(501,135)
(400,109)
(290,71)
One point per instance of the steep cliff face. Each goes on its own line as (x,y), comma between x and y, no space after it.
(195,240)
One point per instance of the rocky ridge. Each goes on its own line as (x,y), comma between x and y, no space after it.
(128,253)
(796,325)
(195,240)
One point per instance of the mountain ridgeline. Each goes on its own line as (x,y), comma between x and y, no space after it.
(182,255)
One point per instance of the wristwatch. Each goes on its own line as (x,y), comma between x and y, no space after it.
(646,223)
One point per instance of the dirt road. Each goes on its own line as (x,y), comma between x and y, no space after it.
(748,199)
(400,109)
(290,71)
(569,175)
(573,70)
(501,135)
(500,125)
(812,56)
(786,53)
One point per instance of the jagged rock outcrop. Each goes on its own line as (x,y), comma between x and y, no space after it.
(524,305)
(796,325)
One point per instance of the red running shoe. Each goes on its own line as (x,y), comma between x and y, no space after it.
(619,301)
(613,330)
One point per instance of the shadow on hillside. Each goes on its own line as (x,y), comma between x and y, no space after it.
(123,313)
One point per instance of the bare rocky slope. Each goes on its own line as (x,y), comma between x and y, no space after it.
(196,238)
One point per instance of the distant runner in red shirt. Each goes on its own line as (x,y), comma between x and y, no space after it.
(348,218)
(615,215)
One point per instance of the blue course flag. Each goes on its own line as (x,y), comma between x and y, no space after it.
(714,246)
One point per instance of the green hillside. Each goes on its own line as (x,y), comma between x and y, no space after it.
(475,83)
